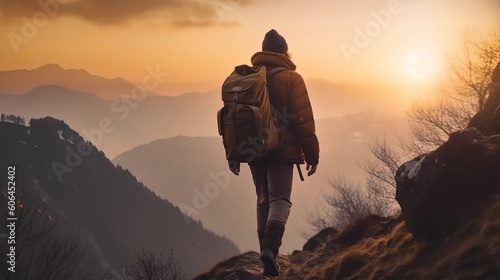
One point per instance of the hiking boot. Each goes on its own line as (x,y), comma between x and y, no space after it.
(272,237)
(271,267)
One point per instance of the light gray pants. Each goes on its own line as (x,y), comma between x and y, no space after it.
(273,183)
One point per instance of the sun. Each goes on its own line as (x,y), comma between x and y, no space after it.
(421,65)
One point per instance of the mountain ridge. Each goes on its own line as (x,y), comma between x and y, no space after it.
(84,192)
(24,80)
(352,96)
(85,112)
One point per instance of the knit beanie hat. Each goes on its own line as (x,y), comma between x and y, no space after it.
(274,42)
(495,77)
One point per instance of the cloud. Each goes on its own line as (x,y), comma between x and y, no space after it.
(177,13)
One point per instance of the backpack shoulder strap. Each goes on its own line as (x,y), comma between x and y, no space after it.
(275,71)
(270,81)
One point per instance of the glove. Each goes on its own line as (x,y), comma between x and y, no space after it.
(234,166)
(311,169)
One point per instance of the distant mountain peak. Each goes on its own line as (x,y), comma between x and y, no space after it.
(56,89)
(23,81)
(50,66)
(51,86)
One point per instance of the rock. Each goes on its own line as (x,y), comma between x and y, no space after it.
(495,76)
(441,190)
(319,239)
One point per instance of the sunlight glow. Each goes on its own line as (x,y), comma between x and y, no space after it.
(421,65)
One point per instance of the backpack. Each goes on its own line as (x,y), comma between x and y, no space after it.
(247,122)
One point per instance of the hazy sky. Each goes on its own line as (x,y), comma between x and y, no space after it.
(199,42)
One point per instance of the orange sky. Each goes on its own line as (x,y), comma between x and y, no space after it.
(199,42)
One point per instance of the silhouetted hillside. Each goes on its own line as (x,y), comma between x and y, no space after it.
(382,248)
(192,158)
(105,207)
(198,182)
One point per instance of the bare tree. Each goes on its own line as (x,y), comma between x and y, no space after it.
(380,170)
(43,249)
(149,266)
(463,95)
(348,202)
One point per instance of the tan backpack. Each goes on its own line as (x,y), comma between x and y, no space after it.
(248,122)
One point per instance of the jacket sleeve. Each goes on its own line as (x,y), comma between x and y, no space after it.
(302,119)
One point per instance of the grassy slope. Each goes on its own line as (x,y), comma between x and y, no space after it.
(382,248)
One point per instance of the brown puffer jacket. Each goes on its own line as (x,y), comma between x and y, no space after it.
(296,115)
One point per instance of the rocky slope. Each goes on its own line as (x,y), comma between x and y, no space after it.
(383,248)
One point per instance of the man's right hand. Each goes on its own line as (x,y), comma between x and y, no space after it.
(234,166)
(311,169)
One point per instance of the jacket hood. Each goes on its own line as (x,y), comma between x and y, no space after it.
(272,59)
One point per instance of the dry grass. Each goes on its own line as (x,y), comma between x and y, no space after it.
(382,248)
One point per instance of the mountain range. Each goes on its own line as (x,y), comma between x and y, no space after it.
(118,125)
(90,104)
(21,81)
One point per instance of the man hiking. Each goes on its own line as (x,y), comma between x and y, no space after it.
(272,175)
